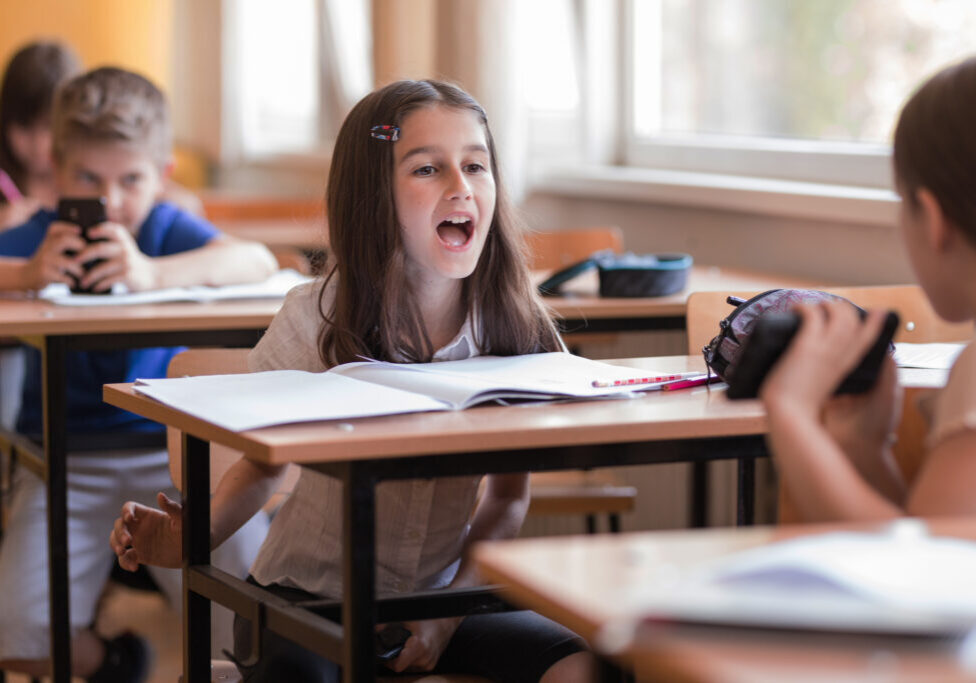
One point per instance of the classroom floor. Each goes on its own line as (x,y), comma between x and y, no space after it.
(147,614)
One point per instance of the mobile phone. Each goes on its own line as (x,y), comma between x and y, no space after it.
(85,212)
(390,640)
(772,335)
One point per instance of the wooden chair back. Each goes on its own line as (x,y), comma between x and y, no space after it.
(560,248)
(292,257)
(218,208)
(918,324)
(194,362)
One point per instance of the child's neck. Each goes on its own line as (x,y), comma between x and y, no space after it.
(442,312)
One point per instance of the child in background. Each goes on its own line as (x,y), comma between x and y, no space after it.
(26,176)
(29,81)
(111,139)
(834,454)
(428,265)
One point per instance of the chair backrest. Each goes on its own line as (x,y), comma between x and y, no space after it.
(292,257)
(194,362)
(919,322)
(560,248)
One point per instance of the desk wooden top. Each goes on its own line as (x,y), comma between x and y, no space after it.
(699,412)
(20,316)
(589,582)
(580,294)
(33,317)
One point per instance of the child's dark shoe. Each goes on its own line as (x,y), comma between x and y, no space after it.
(127,658)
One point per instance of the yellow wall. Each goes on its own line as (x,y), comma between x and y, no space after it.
(135,34)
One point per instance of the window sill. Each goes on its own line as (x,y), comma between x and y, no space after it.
(836,203)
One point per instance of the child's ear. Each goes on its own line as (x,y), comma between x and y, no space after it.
(165,171)
(938,230)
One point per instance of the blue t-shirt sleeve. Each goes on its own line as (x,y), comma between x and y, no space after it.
(24,240)
(169,230)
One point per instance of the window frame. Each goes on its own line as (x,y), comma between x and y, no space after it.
(812,161)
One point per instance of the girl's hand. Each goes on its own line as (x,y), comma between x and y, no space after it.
(830,343)
(862,424)
(425,645)
(122,261)
(50,263)
(142,535)
(17,212)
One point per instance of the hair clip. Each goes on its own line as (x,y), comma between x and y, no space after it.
(385,132)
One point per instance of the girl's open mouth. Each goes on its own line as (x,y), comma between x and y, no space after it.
(455,232)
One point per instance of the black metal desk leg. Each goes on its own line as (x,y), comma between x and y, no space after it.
(196,551)
(745,509)
(359,574)
(698,504)
(53,364)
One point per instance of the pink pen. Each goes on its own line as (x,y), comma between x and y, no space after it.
(9,188)
(693,382)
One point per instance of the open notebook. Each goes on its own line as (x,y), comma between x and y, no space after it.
(275,287)
(900,580)
(369,388)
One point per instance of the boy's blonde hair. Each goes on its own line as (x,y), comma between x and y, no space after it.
(111,105)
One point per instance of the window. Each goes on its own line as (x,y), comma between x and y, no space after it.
(288,87)
(546,44)
(782,88)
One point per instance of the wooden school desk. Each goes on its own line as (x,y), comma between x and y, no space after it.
(698,424)
(588,584)
(55,330)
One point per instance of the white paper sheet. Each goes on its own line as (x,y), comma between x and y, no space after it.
(275,287)
(249,401)
(930,356)
(897,581)
(261,399)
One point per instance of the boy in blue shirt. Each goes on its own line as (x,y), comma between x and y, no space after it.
(111,139)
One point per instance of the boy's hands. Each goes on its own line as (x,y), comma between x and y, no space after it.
(51,262)
(142,535)
(426,644)
(122,261)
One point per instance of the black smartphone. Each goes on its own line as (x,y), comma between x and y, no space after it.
(85,212)
(390,640)
(771,336)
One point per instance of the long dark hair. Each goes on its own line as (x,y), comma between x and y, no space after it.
(374,311)
(935,144)
(27,91)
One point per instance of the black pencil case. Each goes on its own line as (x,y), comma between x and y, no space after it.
(632,275)
(628,275)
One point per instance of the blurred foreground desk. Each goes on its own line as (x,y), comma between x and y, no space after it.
(658,427)
(55,330)
(588,583)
